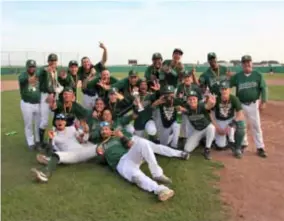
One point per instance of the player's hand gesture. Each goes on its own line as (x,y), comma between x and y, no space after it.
(117,133)
(156,86)
(100,150)
(102,46)
(95,114)
(180,109)
(51,134)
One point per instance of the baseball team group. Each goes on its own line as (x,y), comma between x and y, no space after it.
(125,122)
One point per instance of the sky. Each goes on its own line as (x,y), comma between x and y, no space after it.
(137,29)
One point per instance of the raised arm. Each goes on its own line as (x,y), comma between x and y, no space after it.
(104,57)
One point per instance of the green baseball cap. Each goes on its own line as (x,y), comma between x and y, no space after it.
(192,94)
(211,55)
(52,57)
(30,63)
(132,73)
(187,74)
(68,89)
(113,90)
(178,50)
(225,84)
(157,55)
(246,58)
(168,89)
(73,62)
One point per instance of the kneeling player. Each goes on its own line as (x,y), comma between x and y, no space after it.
(70,147)
(126,157)
(227,106)
(199,118)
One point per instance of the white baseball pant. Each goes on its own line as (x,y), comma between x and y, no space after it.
(88,102)
(170,135)
(130,128)
(129,167)
(193,141)
(253,118)
(159,148)
(44,111)
(221,140)
(87,152)
(150,129)
(186,129)
(31,114)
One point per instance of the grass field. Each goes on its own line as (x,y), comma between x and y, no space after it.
(93,192)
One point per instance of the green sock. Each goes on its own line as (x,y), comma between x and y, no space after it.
(239,133)
(51,166)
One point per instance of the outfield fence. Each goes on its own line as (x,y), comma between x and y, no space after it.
(13,63)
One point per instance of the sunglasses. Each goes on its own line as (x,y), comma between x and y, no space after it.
(104,124)
(60,117)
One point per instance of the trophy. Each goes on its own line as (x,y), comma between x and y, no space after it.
(136,95)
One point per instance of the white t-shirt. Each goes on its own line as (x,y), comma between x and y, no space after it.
(66,140)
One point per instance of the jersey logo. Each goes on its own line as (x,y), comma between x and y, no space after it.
(225,109)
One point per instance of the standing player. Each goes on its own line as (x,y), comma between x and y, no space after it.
(88,72)
(175,63)
(199,118)
(152,71)
(102,84)
(213,75)
(30,103)
(49,88)
(126,157)
(226,115)
(250,87)
(70,79)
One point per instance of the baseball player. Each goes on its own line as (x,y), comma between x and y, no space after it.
(175,63)
(70,147)
(168,76)
(126,85)
(69,107)
(152,72)
(165,117)
(199,118)
(144,121)
(69,79)
(226,115)
(126,157)
(182,93)
(50,89)
(102,84)
(88,72)
(250,88)
(30,103)
(119,124)
(213,75)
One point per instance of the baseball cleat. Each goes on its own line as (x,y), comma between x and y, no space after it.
(163,179)
(238,153)
(165,194)
(32,147)
(206,154)
(185,155)
(42,159)
(244,147)
(39,176)
(261,153)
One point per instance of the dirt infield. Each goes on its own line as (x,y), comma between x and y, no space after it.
(252,188)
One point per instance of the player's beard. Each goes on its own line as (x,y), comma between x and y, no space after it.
(169,101)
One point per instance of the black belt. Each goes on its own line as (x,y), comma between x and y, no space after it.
(249,102)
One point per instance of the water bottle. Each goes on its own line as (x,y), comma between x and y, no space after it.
(179,117)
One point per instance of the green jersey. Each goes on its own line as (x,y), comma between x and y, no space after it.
(168,113)
(113,151)
(119,108)
(226,110)
(93,85)
(249,87)
(29,93)
(212,79)
(76,111)
(82,74)
(177,68)
(198,118)
(151,73)
(47,84)
(184,90)
(145,115)
(70,81)
(126,89)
